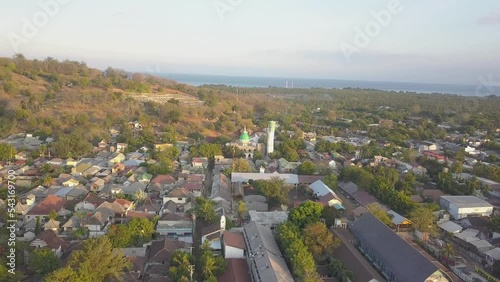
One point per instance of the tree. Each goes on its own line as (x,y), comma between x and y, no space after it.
(329,214)
(306,168)
(495,223)
(423,220)
(120,236)
(206,150)
(274,189)
(7,152)
(242,209)
(307,212)
(53,215)
(409,155)
(96,262)
(72,145)
(331,181)
(210,266)
(43,261)
(64,274)
(380,213)
(46,168)
(300,258)
(140,196)
(137,232)
(340,271)
(241,165)
(319,240)
(457,167)
(141,230)
(38,227)
(448,250)
(204,208)
(180,266)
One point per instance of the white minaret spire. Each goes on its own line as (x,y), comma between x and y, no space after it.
(270,136)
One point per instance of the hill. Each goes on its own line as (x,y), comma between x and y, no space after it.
(50,98)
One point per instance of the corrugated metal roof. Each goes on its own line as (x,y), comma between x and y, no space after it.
(406,263)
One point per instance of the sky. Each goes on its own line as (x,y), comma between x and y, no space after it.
(446,41)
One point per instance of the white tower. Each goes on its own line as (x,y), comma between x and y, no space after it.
(270,136)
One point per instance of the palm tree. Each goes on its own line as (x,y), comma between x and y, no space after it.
(208,266)
(448,250)
(340,271)
(181,266)
(48,180)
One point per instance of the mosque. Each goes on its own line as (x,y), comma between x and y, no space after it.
(248,145)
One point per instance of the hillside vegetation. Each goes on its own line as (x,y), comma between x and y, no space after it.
(50,98)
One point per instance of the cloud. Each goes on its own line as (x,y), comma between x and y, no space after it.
(493,18)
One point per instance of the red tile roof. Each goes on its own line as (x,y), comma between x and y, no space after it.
(48,204)
(124,203)
(195,178)
(164,179)
(234,239)
(236,270)
(51,239)
(309,179)
(192,186)
(140,214)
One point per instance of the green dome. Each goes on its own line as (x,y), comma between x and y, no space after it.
(245,138)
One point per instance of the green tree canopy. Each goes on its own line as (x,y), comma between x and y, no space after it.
(180,266)
(241,165)
(320,240)
(72,145)
(135,233)
(204,208)
(380,213)
(96,262)
(43,261)
(423,220)
(274,189)
(7,152)
(306,168)
(308,212)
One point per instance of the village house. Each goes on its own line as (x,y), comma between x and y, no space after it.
(199,162)
(89,203)
(325,195)
(116,158)
(104,215)
(25,204)
(49,239)
(158,257)
(52,225)
(174,224)
(149,205)
(213,233)
(56,162)
(285,166)
(43,209)
(233,245)
(178,196)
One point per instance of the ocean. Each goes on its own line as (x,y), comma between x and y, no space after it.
(243,81)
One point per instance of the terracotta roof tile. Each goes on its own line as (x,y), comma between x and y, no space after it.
(236,270)
(48,204)
(52,240)
(234,239)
